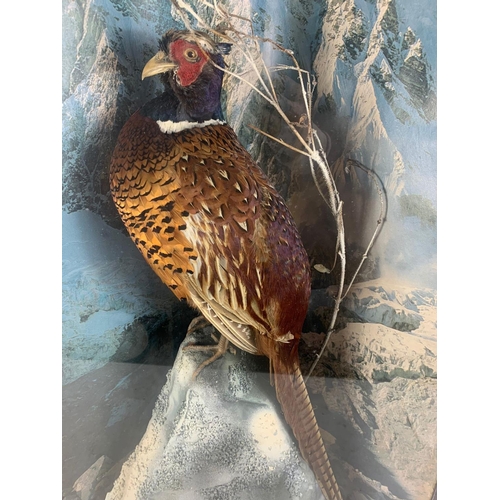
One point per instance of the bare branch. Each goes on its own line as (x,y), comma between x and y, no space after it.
(380,220)
(338,299)
(280,141)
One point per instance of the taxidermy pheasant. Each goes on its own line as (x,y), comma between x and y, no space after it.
(209,223)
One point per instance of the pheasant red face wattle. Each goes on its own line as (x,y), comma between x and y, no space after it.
(190,60)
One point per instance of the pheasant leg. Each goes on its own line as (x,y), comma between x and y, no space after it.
(219,350)
(197,324)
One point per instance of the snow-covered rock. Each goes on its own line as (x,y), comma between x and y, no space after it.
(394,306)
(379,383)
(220,436)
(374,394)
(85,485)
(107,285)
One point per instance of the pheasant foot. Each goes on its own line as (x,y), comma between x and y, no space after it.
(219,350)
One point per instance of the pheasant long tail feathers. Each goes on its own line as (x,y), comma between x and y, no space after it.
(292,394)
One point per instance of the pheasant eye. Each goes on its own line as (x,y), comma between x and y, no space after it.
(191,55)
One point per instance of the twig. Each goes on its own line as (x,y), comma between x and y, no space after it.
(380,220)
(279,141)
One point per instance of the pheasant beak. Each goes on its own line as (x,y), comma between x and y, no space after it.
(159,63)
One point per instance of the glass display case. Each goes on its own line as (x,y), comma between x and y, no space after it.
(136,423)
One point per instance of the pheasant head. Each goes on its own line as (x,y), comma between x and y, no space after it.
(190,64)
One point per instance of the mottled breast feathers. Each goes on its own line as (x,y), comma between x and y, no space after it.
(211,226)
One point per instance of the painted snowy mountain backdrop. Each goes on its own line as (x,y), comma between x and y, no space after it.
(375,64)
(375,102)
